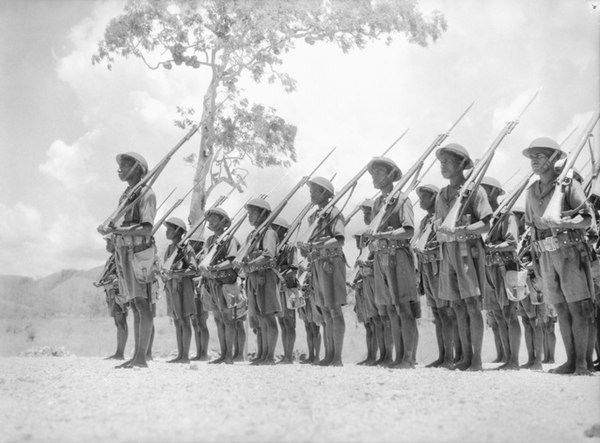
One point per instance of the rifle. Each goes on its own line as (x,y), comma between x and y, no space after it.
(554,213)
(170,211)
(165,200)
(465,194)
(224,238)
(259,232)
(393,199)
(109,268)
(169,262)
(140,188)
(322,213)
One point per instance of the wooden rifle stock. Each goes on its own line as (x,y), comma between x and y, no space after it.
(554,213)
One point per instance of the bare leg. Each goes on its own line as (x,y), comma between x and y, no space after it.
(186,339)
(408,328)
(462,319)
(219,322)
(204,339)
(514,336)
(272,336)
(396,334)
(229,325)
(439,338)
(179,337)
(145,331)
(316,335)
(564,323)
(240,331)
(122,332)
(551,340)
(502,329)
(327,338)
(339,329)
(447,325)
(309,343)
(580,325)
(528,332)
(197,337)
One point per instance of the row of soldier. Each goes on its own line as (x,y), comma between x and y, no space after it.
(476,264)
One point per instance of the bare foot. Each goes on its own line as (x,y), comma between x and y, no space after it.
(404,365)
(512,366)
(448,364)
(535,367)
(582,371)
(124,365)
(475,367)
(527,365)
(267,362)
(462,365)
(435,364)
(257,361)
(325,362)
(217,361)
(565,368)
(337,363)
(183,360)
(174,360)
(115,357)
(138,364)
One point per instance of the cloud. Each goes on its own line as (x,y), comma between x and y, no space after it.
(69,164)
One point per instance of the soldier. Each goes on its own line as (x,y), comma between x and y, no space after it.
(561,252)
(179,287)
(201,332)
(116,302)
(287,266)
(395,280)
(312,321)
(501,256)
(136,254)
(429,268)
(374,326)
(261,281)
(328,268)
(221,281)
(462,267)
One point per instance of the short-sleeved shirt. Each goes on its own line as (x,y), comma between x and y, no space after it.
(228,251)
(185,258)
(331,225)
(402,216)
(538,197)
(423,225)
(478,207)
(143,210)
(267,245)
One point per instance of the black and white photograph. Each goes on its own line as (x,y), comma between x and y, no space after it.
(300,221)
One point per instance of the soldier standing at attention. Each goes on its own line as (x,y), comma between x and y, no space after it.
(462,270)
(328,268)
(136,254)
(261,281)
(562,253)
(201,333)
(312,319)
(501,256)
(179,287)
(117,303)
(395,280)
(287,266)
(220,272)
(429,268)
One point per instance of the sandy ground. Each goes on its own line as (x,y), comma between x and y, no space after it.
(82,398)
(85,399)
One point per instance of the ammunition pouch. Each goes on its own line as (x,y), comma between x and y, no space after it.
(137,243)
(145,265)
(429,256)
(497,258)
(560,240)
(317,254)
(262,265)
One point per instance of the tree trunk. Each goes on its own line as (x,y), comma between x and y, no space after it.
(205,153)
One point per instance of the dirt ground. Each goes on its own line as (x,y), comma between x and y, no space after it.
(82,398)
(85,399)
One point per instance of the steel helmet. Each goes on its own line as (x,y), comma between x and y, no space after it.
(138,158)
(387,163)
(456,149)
(323,183)
(428,188)
(259,203)
(279,221)
(544,143)
(492,182)
(177,222)
(218,211)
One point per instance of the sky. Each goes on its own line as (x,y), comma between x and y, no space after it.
(62,120)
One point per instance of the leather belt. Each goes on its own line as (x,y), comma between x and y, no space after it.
(384,245)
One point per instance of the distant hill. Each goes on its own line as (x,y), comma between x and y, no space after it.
(68,293)
(65,293)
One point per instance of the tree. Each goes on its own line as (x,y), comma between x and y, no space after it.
(232,38)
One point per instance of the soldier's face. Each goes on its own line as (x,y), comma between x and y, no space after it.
(255,216)
(451,165)
(171,232)
(127,169)
(381,177)
(426,200)
(213,221)
(540,161)
(318,195)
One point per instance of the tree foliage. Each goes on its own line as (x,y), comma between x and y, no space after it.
(232,38)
